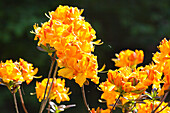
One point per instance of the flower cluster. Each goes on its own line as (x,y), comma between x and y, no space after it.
(58,91)
(162,62)
(17,71)
(130,81)
(72,38)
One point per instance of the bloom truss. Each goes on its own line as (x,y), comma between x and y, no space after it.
(72,38)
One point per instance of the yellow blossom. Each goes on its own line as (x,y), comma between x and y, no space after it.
(9,71)
(162,60)
(129,58)
(17,71)
(58,91)
(152,74)
(109,93)
(72,38)
(66,28)
(81,69)
(27,70)
(127,80)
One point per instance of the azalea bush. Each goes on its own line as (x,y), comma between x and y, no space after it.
(69,40)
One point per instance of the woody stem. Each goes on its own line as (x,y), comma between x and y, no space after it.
(84,98)
(115,103)
(15,102)
(163,108)
(22,101)
(49,74)
(46,99)
(49,106)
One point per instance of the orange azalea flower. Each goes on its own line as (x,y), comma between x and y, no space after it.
(161,57)
(148,107)
(162,60)
(17,71)
(109,93)
(9,71)
(129,58)
(27,70)
(71,36)
(127,80)
(66,28)
(58,91)
(153,76)
(80,69)
(164,47)
(166,79)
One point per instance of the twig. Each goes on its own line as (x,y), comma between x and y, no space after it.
(49,74)
(45,100)
(22,101)
(15,102)
(115,103)
(162,108)
(49,106)
(161,102)
(84,98)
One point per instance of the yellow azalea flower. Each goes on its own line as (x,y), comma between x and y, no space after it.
(162,61)
(72,38)
(66,27)
(148,107)
(17,71)
(9,71)
(27,70)
(153,75)
(58,91)
(166,79)
(127,80)
(167,75)
(164,47)
(161,57)
(80,69)
(129,58)
(109,93)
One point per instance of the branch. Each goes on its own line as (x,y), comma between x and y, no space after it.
(84,98)
(15,102)
(45,101)
(162,108)
(49,74)
(115,103)
(22,101)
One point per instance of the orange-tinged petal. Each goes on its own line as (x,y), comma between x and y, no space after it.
(66,72)
(80,79)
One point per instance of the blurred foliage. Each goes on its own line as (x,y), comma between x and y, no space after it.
(120,24)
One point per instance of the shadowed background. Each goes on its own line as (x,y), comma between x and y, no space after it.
(119,24)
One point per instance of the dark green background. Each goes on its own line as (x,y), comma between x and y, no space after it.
(120,24)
